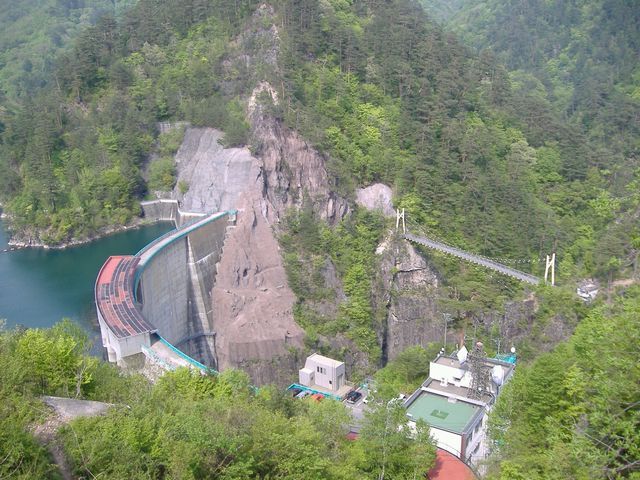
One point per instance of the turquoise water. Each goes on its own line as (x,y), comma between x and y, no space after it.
(39,287)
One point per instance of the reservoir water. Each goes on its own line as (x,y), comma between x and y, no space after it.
(39,287)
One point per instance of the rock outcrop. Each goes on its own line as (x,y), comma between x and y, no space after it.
(253,305)
(406,288)
(376,197)
(215,176)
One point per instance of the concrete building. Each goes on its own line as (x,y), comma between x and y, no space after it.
(325,375)
(323,372)
(123,328)
(456,413)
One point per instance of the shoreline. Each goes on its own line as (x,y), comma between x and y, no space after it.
(138,222)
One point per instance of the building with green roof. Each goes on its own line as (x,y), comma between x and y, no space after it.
(454,406)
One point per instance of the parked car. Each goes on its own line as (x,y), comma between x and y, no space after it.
(318,397)
(295,391)
(302,394)
(348,395)
(353,396)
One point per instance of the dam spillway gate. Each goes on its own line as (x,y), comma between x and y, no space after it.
(157,302)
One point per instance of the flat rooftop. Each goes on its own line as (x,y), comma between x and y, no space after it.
(488,362)
(449,361)
(441,413)
(450,389)
(321,359)
(114,297)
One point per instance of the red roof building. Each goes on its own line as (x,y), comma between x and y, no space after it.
(449,467)
(122,326)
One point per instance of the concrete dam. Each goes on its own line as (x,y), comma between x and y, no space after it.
(157,304)
(214,293)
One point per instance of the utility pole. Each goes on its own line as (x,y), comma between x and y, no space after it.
(447,319)
(550,264)
(400,216)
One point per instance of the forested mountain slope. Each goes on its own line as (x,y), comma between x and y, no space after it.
(584,54)
(71,158)
(574,413)
(575,66)
(485,162)
(33,33)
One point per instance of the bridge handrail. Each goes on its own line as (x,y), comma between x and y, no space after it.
(420,230)
(478,259)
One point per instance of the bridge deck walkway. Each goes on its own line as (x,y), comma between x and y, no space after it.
(470,257)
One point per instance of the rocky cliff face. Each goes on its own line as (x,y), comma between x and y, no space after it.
(406,293)
(292,170)
(216,176)
(253,317)
(408,286)
(253,304)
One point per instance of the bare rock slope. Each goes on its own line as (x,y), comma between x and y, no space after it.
(252,303)
(215,176)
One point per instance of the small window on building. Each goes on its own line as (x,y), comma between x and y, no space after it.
(330,382)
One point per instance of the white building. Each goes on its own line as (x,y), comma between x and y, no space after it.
(458,422)
(323,372)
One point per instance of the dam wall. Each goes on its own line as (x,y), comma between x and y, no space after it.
(163,291)
(168,211)
(175,277)
(167,286)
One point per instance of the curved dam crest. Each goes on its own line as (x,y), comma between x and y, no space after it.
(233,293)
(155,303)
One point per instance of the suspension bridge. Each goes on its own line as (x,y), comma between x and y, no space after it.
(475,258)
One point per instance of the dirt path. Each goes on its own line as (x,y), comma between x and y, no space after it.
(63,410)
(624,283)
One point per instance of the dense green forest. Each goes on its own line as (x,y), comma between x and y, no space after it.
(578,60)
(519,138)
(34,33)
(574,412)
(187,425)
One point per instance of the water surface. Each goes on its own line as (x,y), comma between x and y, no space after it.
(38,287)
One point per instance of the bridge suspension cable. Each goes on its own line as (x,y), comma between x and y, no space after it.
(496,264)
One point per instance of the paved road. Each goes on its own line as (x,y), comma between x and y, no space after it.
(470,257)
